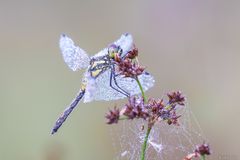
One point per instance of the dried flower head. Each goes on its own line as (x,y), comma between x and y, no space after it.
(128,65)
(176,97)
(133,53)
(153,111)
(135,109)
(128,68)
(203,149)
(113,116)
(200,151)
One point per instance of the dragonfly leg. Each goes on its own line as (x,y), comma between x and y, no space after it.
(120,90)
(67,111)
(113,77)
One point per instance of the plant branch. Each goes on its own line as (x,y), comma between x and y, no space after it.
(141,88)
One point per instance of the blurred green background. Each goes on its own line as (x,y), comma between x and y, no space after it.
(187,45)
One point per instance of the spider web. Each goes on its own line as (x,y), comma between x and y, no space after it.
(165,141)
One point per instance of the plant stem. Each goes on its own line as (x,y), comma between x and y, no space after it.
(140,86)
(123,118)
(202,157)
(144,146)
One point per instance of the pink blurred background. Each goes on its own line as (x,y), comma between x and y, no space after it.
(191,46)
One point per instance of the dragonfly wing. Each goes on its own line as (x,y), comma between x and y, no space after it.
(74,56)
(131,86)
(99,88)
(125,42)
(101,53)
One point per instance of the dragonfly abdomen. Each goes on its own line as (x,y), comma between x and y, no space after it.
(68,110)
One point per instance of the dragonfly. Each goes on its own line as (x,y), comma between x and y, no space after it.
(101,80)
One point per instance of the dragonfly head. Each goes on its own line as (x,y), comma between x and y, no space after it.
(114,50)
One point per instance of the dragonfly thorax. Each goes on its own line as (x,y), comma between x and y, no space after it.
(99,65)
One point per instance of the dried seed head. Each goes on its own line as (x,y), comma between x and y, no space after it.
(113,116)
(153,111)
(133,53)
(200,151)
(176,97)
(203,149)
(128,68)
(135,109)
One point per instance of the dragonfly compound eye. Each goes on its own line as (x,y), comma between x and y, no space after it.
(113,50)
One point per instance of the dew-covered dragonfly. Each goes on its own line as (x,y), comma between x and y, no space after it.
(100,80)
